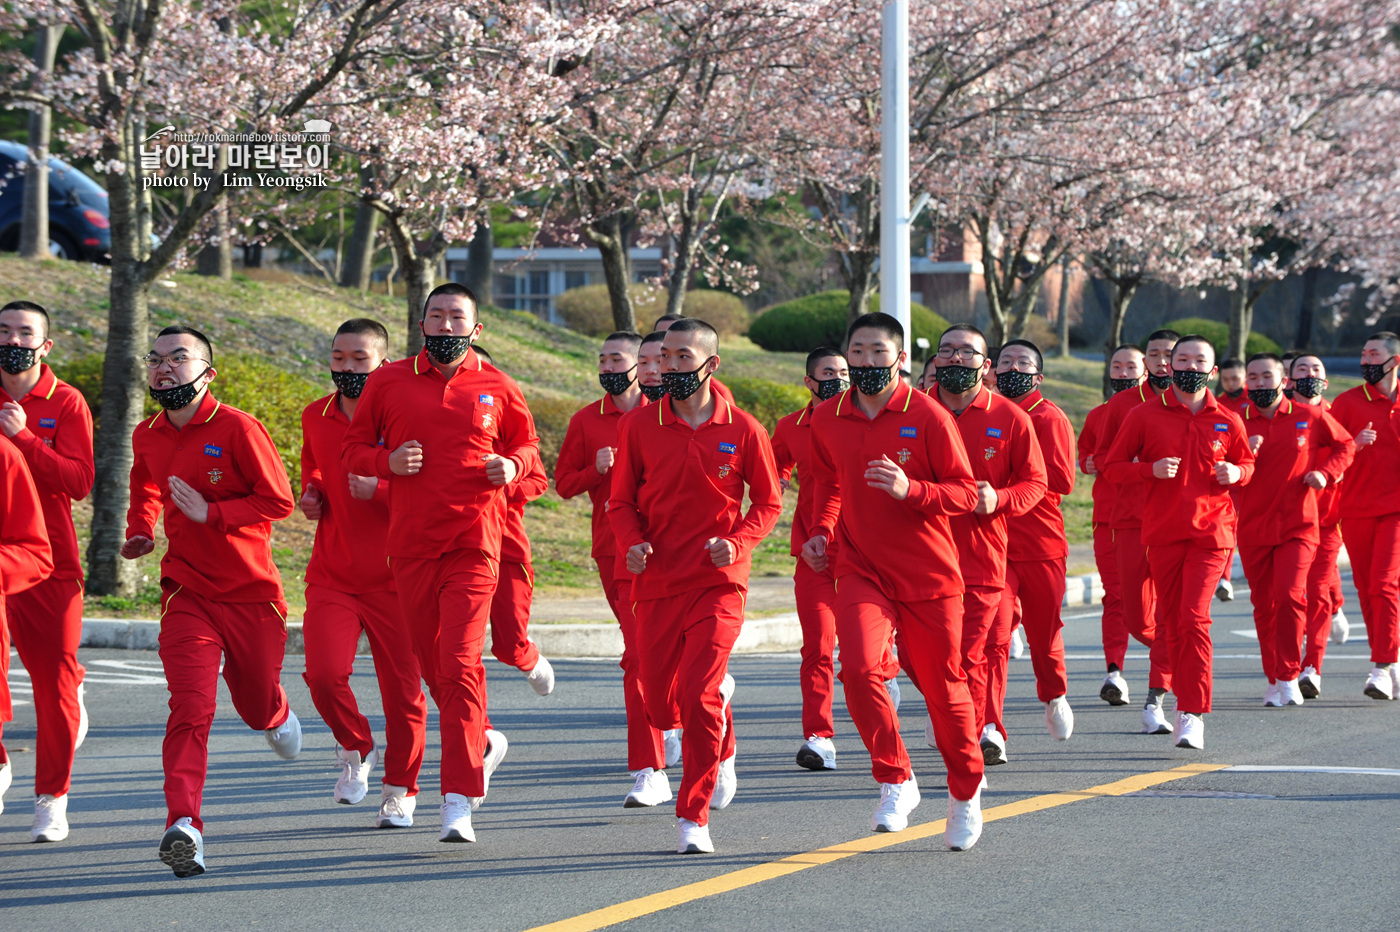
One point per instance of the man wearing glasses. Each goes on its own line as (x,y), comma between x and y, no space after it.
(1010,474)
(215,473)
(48,423)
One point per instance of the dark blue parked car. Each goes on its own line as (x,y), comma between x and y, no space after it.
(79,220)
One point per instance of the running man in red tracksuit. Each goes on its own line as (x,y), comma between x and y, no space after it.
(889,472)
(586,460)
(677,490)
(1298,452)
(1232,398)
(48,422)
(1129,544)
(1188,451)
(1371,505)
(1125,373)
(663,323)
(25,560)
(214,472)
(1010,472)
(349,589)
(1036,551)
(450,433)
(1307,376)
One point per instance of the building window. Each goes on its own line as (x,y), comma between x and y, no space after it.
(575,278)
(525,291)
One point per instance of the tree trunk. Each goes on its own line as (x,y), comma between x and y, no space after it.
(1021,310)
(1123,292)
(359,258)
(860,282)
(1063,319)
(1241,318)
(1306,307)
(34,227)
(681,255)
(216,258)
(610,234)
(419,277)
(481,264)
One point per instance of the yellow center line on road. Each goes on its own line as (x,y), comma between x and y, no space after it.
(749,876)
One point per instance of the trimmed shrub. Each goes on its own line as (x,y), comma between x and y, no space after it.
(552,414)
(587,310)
(799,325)
(720,309)
(1218,333)
(765,399)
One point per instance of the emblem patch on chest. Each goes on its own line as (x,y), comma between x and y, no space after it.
(1302,441)
(904,456)
(486,420)
(1217,446)
(989,453)
(724,470)
(214,476)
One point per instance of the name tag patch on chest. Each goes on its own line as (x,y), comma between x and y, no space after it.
(211,450)
(909,431)
(1301,425)
(993,431)
(486,400)
(47,422)
(728,448)
(1222,428)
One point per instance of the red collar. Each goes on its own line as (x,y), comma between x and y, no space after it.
(899,401)
(208,407)
(724,412)
(44,388)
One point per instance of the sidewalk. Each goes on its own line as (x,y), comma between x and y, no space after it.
(586,628)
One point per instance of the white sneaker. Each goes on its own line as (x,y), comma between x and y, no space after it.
(1310,683)
(964,825)
(82,720)
(1190,731)
(7,777)
(1114,690)
(1018,644)
(456,819)
(928,732)
(1341,630)
(541,677)
(1059,718)
(1395,679)
(182,848)
(726,694)
(817,754)
(672,746)
(694,839)
(395,808)
(1154,719)
(993,746)
(1225,590)
(897,800)
(353,784)
(726,784)
(652,788)
(50,818)
(496,746)
(285,739)
(1289,693)
(892,687)
(1380,684)
(1272,698)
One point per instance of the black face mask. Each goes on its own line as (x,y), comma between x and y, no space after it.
(1373,373)
(1159,382)
(1308,386)
(1122,385)
(17,359)
(1188,381)
(830,388)
(681,385)
(955,380)
(1288,393)
(615,383)
(871,380)
(1014,384)
(653,392)
(1263,397)
(180,396)
(1234,394)
(445,349)
(350,384)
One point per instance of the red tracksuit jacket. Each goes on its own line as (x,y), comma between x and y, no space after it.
(906,547)
(1000,442)
(1039,534)
(1192,506)
(792,444)
(1236,403)
(675,488)
(56,443)
(26,558)
(1105,493)
(1277,505)
(593,427)
(348,554)
(1371,488)
(449,504)
(227,456)
(1126,495)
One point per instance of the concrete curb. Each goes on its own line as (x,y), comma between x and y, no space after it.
(774,634)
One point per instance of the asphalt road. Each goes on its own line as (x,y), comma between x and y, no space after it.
(1225,849)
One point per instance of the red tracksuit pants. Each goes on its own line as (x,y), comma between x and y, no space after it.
(446,602)
(195,633)
(1278,589)
(331,630)
(510,618)
(645,744)
(1115,630)
(1034,594)
(1186,576)
(46,626)
(930,641)
(1325,597)
(816,612)
(684,641)
(1140,595)
(1373,544)
(979,616)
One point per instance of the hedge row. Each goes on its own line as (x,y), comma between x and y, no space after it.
(1219,336)
(803,324)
